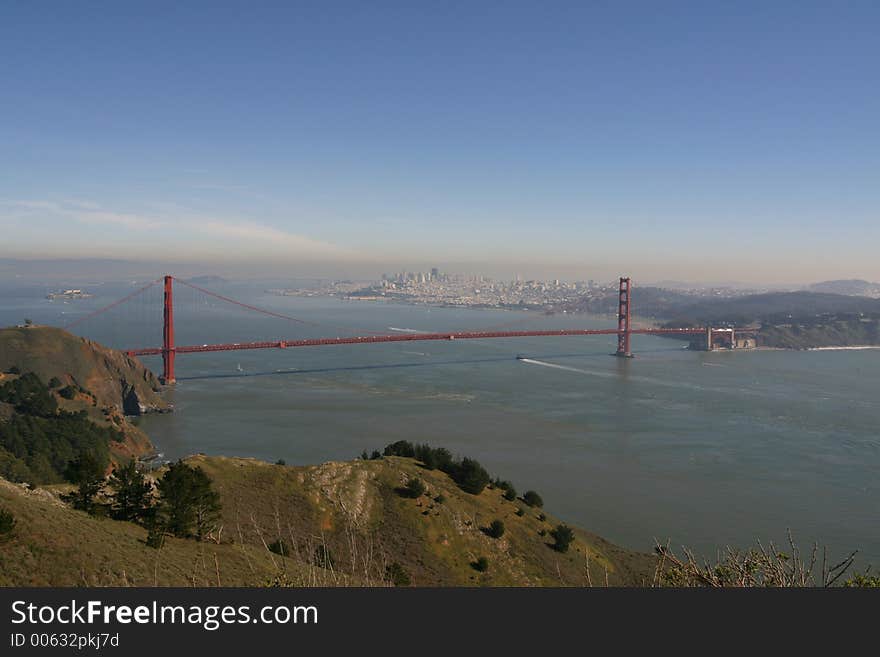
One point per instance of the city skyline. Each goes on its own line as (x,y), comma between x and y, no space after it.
(682,142)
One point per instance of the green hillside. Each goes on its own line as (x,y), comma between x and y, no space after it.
(356,510)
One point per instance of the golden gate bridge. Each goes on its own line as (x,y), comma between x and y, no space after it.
(169,349)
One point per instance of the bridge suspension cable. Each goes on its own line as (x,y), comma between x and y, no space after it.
(272,313)
(99,311)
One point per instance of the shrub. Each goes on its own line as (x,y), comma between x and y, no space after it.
(68,392)
(495,529)
(481,565)
(323,557)
(280,547)
(563,535)
(440,499)
(866,581)
(542,517)
(280,462)
(375,456)
(510,494)
(415,487)
(520,512)
(7,523)
(365,456)
(531,498)
(14,370)
(397,575)
(54,382)
(761,566)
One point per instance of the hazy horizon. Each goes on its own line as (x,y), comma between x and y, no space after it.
(679,142)
(39,270)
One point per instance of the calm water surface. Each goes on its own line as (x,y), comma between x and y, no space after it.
(703,449)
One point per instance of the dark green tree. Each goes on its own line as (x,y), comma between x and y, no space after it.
(87,472)
(397,575)
(29,396)
(563,535)
(400,448)
(132,493)
(480,565)
(7,523)
(495,529)
(531,498)
(188,505)
(470,476)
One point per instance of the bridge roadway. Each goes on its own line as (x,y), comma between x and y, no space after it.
(404,337)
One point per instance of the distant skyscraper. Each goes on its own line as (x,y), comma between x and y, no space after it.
(435,273)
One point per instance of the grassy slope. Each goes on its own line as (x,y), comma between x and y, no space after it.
(352,508)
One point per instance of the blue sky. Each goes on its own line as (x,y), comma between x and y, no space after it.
(704,140)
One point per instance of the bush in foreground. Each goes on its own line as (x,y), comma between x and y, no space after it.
(397,575)
(531,498)
(7,523)
(761,566)
(495,529)
(481,565)
(564,536)
(280,547)
(414,488)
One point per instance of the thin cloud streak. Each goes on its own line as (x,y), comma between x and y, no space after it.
(184,234)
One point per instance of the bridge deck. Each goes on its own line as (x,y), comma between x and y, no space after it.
(408,337)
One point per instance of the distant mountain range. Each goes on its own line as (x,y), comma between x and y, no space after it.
(684,309)
(850,287)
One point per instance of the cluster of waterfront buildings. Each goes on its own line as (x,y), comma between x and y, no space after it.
(69,294)
(438,288)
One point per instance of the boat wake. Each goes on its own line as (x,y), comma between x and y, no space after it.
(649,380)
(405,330)
(566,368)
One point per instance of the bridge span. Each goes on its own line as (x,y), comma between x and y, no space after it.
(169,350)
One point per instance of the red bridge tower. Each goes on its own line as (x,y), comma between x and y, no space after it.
(168,352)
(624,328)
